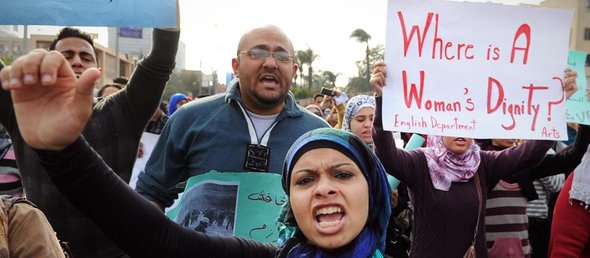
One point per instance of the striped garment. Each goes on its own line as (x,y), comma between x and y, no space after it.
(507,222)
(157,126)
(552,184)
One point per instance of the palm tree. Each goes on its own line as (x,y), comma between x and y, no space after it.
(307,57)
(363,37)
(300,55)
(330,77)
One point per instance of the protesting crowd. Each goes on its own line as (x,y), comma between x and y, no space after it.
(352,189)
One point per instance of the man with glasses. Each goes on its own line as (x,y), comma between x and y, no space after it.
(249,128)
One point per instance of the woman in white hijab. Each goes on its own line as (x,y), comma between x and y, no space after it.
(358,117)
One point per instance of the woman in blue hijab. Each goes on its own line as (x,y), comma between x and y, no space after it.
(337,190)
(333,185)
(339,198)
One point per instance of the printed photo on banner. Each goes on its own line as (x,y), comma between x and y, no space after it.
(243,204)
(578,107)
(477,70)
(210,207)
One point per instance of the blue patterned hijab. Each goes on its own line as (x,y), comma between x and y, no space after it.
(353,106)
(371,241)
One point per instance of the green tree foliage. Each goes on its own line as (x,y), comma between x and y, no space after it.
(298,56)
(320,79)
(360,84)
(330,78)
(186,82)
(7,60)
(363,37)
(376,54)
(306,57)
(302,60)
(301,92)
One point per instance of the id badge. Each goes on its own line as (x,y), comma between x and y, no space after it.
(257,157)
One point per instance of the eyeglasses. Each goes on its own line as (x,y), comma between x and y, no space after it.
(258,54)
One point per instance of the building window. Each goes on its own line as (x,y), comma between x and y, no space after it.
(587,60)
(43,44)
(586,33)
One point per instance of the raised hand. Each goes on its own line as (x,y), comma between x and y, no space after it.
(51,105)
(378,78)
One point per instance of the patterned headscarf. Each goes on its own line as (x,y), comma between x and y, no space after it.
(446,167)
(581,183)
(353,106)
(371,240)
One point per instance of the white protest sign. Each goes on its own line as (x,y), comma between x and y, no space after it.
(148,141)
(476,70)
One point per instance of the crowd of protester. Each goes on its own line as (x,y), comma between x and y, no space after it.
(69,146)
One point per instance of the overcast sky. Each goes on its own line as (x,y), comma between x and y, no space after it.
(211,29)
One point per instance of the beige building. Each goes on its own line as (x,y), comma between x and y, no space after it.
(10,42)
(139,44)
(580,33)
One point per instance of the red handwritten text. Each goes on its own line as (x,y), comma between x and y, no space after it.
(413,93)
(446,51)
(523,30)
(513,109)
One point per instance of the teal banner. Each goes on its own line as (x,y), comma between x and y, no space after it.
(111,13)
(232,204)
(578,107)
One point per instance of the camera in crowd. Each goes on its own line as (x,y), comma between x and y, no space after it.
(328,92)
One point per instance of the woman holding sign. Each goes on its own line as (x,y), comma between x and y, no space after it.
(448,182)
(340,202)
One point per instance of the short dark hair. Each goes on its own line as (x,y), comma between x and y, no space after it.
(101,90)
(121,80)
(163,107)
(69,32)
(317,95)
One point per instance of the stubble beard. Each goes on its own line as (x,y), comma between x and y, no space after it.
(272,99)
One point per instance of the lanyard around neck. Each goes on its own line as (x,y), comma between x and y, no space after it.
(252,130)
